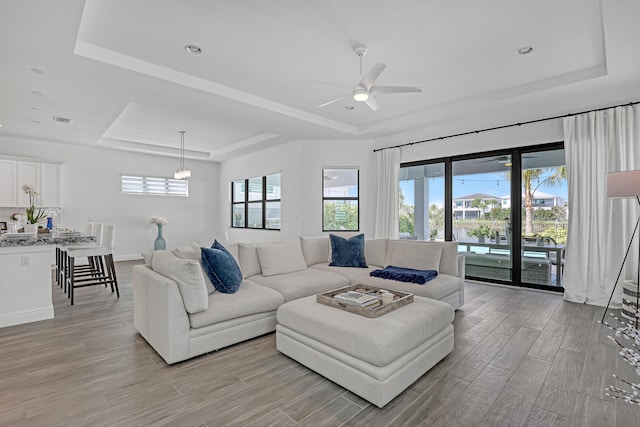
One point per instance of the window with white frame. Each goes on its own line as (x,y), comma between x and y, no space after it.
(154,186)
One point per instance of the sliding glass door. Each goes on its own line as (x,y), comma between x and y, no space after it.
(469,199)
(422,203)
(481,189)
(544,217)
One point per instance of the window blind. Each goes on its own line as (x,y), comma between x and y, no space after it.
(154,186)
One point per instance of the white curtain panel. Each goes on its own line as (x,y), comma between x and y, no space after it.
(387,202)
(600,228)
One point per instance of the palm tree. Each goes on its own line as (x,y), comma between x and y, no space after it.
(557,176)
(481,205)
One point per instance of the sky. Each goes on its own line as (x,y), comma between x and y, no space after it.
(493,184)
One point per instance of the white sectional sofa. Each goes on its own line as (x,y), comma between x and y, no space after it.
(275,273)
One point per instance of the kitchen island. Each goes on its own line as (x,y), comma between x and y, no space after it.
(25,276)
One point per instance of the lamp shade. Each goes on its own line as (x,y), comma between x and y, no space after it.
(623,184)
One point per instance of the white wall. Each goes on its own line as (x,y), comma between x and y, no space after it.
(301,165)
(91,187)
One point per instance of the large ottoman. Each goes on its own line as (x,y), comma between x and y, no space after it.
(374,358)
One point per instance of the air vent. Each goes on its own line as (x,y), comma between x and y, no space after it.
(61,119)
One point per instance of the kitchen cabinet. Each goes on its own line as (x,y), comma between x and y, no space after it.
(8,183)
(45,177)
(28,174)
(50,179)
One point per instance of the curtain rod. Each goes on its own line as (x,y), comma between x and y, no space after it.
(504,126)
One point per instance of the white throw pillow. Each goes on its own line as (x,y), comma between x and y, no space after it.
(248,259)
(315,249)
(375,251)
(187,273)
(192,251)
(148,258)
(281,258)
(416,256)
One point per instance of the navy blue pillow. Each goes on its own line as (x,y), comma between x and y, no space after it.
(347,252)
(221,268)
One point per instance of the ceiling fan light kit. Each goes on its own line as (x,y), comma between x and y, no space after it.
(360,95)
(364,90)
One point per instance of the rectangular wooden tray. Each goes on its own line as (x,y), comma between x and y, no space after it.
(399,299)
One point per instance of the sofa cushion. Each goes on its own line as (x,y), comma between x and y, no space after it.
(251,298)
(192,251)
(347,252)
(302,283)
(315,249)
(221,268)
(248,259)
(187,273)
(438,288)
(281,258)
(419,256)
(349,272)
(375,251)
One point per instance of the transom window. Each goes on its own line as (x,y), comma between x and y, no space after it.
(256,202)
(153,186)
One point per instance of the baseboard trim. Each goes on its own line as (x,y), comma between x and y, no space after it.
(26,317)
(129,257)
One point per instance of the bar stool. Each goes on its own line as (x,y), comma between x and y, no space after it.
(103,271)
(93,229)
(61,249)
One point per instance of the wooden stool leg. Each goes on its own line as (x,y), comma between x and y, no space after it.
(112,268)
(71,277)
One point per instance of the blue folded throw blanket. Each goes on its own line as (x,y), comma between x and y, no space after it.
(405,274)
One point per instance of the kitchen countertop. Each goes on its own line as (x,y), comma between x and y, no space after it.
(45,239)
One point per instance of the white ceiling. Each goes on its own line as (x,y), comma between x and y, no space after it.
(119,70)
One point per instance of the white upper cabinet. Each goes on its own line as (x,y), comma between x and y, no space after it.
(44,177)
(50,185)
(8,183)
(28,174)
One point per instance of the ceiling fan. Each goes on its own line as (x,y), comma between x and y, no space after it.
(364,90)
(505,160)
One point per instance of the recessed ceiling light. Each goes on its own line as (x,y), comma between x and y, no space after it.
(38,122)
(525,50)
(36,93)
(35,109)
(192,48)
(38,71)
(349,107)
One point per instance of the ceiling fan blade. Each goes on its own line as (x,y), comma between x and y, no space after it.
(368,80)
(334,100)
(372,103)
(378,90)
(329,84)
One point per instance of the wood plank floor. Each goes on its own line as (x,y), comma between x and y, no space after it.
(521,358)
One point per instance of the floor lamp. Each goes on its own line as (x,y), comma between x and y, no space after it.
(626,184)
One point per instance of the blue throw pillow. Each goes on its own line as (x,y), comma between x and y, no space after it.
(347,252)
(221,268)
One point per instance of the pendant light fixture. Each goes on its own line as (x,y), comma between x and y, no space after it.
(183,172)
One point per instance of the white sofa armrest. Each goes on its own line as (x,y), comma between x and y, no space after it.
(159,314)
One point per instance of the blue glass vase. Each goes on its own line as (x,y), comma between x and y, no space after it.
(159,243)
(49,223)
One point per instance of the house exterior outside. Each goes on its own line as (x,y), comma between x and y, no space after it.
(464,208)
